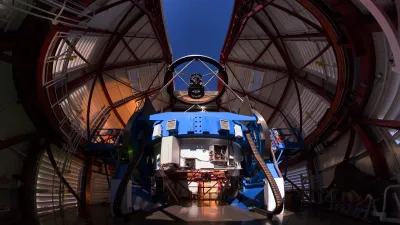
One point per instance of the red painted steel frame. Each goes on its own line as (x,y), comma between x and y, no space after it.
(357,39)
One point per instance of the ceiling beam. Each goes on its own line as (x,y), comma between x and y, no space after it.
(314,87)
(76,51)
(262,52)
(234,75)
(132,64)
(156,76)
(258,66)
(154,12)
(136,96)
(282,51)
(89,76)
(392,124)
(278,106)
(300,105)
(130,50)
(316,56)
(242,11)
(65,28)
(350,144)
(111,44)
(254,98)
(258,89)
(107,7)
(303,35)
(298,16)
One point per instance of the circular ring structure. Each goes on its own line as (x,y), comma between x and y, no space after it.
(222,76)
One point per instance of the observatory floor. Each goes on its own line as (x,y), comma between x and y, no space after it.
(205,214)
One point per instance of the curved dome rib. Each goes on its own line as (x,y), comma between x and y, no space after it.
(287,49)
(90,73)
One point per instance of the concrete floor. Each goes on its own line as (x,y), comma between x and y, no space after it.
(208,213)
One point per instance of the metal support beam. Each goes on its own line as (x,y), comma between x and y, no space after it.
(266,104)
(278,106)
(258,89)
(303,35)
(315,88)
(257,66)
(60,176)
(262,52)
(393,124)
(350,144)
(112,43)
(375,153)
(234,75)
(136,96)
(89,76)
(154,12)
(300,107)
(298,16)
(76,51)
(316,56)
(107,7)
(297,187)
(255,99)
(65,28)
(155,77)
(289,64)
(132,64)
(130,50)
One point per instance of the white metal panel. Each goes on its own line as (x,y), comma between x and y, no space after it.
(294,174)
(324,66)
(329,59)
(313,108)
(141,77)
(267,91)
(249,33)
(296,7)
(241,53)
(124,55)
(144,47)
(276,56)
(112,58)
(259,46)
(109,19)
(250,51)
(48,184)
(257,30)
(265,22)
(139,25)
(287,24)
(75,106)
(151,53)
(85,45)
(99,190)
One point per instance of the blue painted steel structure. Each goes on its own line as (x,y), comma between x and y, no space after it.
(208,125)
